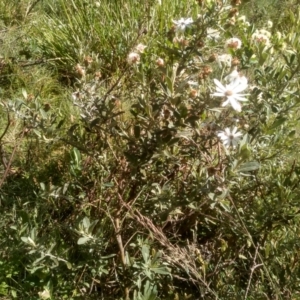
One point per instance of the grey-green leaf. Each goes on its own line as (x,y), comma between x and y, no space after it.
(249,166)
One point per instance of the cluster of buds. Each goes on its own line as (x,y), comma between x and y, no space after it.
(206,71)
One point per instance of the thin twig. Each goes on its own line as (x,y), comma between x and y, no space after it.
(2,153)
(118,229)
(7,126)
(10,160)
(252,242)
(252,271)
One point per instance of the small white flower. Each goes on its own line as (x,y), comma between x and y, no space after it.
(182,24)
(269,24)
(233,43)
(133,58)
(230,138)
(213,34)
(140,48)
(224,60)
(231,92)
(261,36)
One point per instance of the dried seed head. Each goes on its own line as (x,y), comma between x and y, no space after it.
(207,70)
(193,93)
(235,62)
(213,57)
(184,42)
(200,44)
(233,11)
(201,76)
(80,70)
(236,2)
(88,60)
(98,75)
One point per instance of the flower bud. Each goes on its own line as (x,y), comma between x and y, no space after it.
(193,93)
(160,62)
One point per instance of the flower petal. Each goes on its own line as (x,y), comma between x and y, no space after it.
(218,94)
(219,85)
(235,105)
(239,98)
(240,87)
(225,102)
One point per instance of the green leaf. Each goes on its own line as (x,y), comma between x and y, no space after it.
(145,253)
(161,270)
(86,222)
(76,155)
(279,121)
(249,166)
(24,239)
(82,240)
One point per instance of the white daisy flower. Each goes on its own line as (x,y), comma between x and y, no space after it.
(231,92)
(133,58)
(182,24)
(230,138)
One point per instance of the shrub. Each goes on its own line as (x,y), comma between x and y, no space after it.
(173,174)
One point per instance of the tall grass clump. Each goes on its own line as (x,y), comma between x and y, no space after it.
(150,153)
